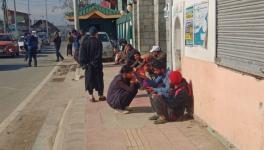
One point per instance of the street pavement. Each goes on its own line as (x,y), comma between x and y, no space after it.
(60,117)
(104,129)
(17,80)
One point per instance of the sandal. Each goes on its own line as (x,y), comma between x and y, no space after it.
(92,100)
(154,117)
(160,121)
(102,98)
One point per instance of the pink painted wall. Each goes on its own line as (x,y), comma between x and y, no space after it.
(229,102)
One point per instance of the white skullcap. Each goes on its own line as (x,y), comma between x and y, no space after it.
(155,48)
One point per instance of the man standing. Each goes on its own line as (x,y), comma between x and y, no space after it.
(57,42)
(69,46)
(77,38)
(32,49)
(91,59)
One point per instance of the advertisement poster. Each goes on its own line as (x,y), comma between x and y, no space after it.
(189,41)
(201,24)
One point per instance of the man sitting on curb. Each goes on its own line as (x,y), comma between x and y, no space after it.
(122,90)
(172,107)
(159,87)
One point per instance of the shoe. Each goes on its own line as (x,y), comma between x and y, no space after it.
(57,60)
(92,100)
(121,111)
(102,98)
(128,108)
(154,117)
(160,121)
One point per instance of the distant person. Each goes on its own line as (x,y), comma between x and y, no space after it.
(77,38)
(32,49)
(91,51)
(122,90)
(26,40)
(69,45)
(57,42)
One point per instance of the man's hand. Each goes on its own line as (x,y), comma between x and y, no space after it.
(149,89)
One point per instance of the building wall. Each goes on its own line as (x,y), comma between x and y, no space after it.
(160,24)
(145,25)
(228,101)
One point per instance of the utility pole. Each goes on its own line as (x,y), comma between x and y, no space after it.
(15,18)
(5,15)
(47,25)
(76,14)
(28,18)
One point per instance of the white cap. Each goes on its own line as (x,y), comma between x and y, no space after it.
(155,48)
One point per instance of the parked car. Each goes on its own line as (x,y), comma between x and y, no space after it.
(108,52)
(8,45)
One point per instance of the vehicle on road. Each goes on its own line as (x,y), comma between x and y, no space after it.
(108,52)
(8,45)
(21,44)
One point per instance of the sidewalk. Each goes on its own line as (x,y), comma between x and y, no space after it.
(107,130)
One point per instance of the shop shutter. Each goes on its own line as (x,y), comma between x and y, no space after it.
(240,35)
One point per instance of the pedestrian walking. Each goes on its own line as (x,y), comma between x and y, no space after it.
(32,49)
(57,42)
(91,60)
(26,40)
(69,45)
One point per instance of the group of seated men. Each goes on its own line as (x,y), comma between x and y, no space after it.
(169,93)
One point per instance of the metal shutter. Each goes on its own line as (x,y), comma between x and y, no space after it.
(240,35)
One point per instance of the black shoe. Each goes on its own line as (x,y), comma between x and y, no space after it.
(57,60)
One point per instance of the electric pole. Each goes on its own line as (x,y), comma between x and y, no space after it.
(47,25)
(28,18)
(5,15)
(76,14)
(15,18)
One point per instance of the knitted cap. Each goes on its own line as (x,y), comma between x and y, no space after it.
(175,77)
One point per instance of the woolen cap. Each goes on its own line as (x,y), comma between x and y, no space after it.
(175,77)
(155,48)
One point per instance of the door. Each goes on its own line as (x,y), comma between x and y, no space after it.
(177,44)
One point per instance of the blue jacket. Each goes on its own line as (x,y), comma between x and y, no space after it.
(161,85)
(32,43)
(76,42)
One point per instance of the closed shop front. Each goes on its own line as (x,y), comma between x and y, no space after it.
(240,35)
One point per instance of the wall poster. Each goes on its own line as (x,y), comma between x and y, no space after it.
(196,25)
(189,26)
(201,24)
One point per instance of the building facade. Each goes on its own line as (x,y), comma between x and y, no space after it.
(218,46)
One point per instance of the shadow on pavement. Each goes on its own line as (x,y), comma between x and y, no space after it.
(111,65)
(142,95)
(11,67)
(144,109)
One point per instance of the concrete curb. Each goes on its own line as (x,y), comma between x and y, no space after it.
(60,132)
(22,105)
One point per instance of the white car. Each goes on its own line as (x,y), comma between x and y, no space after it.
(21,44)
(108,52)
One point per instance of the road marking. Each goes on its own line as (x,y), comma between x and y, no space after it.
(5,123)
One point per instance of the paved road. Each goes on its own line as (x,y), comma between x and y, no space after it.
(17,80)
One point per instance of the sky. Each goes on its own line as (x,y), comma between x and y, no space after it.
(37,9)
